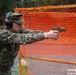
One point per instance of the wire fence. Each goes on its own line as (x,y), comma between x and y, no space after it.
(62,52)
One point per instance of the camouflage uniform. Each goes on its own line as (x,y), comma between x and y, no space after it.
(10,43)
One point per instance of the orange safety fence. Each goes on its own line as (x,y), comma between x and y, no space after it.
(63,47)
(45,21)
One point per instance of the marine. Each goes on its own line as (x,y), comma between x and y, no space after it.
(12,35)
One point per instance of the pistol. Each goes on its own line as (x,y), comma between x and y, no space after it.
(60,29)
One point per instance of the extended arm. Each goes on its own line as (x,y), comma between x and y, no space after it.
(24,30)
(10,37)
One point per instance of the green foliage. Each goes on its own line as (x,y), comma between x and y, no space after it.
(8,5)
(31,3)
(5,6)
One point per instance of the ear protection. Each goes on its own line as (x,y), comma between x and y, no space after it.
(8,23)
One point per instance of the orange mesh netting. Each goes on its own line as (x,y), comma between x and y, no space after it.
(45,21)
(64,48)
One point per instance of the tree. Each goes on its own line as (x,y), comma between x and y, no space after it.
(6,6)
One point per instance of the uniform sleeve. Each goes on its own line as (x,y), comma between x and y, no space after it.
(11,38)
(24,30)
